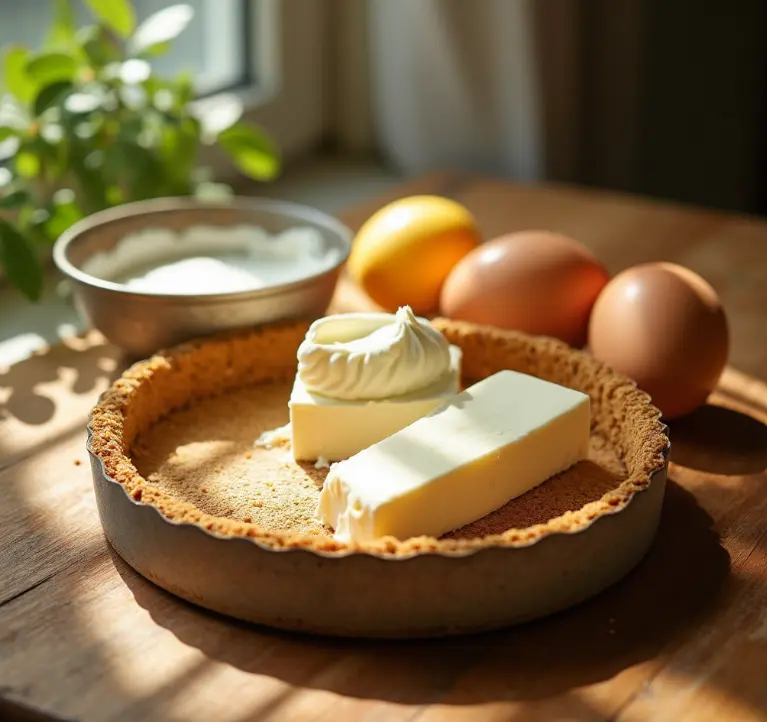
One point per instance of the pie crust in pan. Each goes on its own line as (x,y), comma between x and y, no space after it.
(153,443)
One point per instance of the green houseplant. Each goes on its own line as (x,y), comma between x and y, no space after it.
(86,124)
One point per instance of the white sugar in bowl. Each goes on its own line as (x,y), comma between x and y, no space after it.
(154,273)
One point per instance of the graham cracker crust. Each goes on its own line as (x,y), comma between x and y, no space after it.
(177,432)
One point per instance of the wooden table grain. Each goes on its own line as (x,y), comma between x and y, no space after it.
(682,638)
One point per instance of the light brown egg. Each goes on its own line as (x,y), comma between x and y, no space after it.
(539,282)
(662,325)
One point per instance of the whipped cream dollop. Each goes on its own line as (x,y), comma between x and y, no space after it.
(370,356)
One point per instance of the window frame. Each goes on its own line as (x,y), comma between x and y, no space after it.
(288,70)
(237,19)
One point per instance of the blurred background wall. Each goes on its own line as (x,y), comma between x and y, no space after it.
(657,97)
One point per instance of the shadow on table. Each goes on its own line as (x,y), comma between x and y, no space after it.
(57,386)
(655,607)
(90,361)
(719,440)
(16,712)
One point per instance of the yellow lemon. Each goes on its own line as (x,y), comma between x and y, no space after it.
(405,251)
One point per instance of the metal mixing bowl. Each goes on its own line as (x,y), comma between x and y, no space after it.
(143,322)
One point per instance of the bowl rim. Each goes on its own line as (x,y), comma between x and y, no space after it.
(300,211)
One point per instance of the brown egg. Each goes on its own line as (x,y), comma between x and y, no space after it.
(662,325)
(534,281)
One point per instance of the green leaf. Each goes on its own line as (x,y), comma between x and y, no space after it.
(115,14)
(97,46)
(15,77)
(29,223)
(51,95)
(147,177)
(135,71)
(129,128)
(216,114)
(213,191)
(8,148)
(138,169)
(62,31)
(18,258)
(50,150)
(27,164)
(50,67)
(12,114)
(181,89)
(155,51)
(6,132)
(89,177)
(85,102)
(252,150)
(64,212)
(14,199)
(133,97)
(179,146)
(115,196)
(160,28)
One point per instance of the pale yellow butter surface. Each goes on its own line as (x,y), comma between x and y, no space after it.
(489,444)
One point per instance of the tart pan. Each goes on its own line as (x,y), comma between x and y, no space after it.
(388,588)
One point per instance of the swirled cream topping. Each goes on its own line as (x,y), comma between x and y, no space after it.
(369,356)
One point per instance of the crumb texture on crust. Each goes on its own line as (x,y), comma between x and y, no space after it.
(201,467)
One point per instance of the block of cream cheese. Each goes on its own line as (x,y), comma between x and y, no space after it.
(337,429)
(491,443)
(362,377)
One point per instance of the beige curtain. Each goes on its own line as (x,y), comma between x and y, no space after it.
(520,88)
(661,98)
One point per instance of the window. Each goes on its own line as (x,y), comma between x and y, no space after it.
(214,48)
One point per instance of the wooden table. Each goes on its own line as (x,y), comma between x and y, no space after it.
(684,637)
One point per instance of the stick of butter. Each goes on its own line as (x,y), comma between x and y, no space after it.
(491,443)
